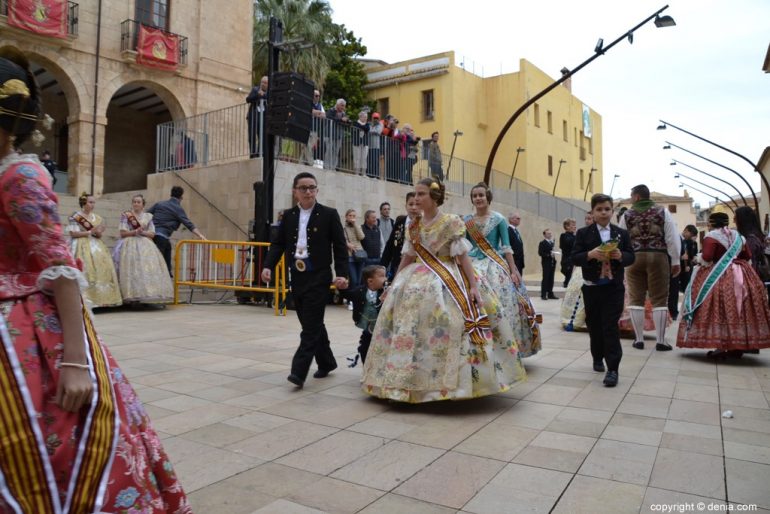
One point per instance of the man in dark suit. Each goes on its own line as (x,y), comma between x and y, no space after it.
(308,236)
(517,243)
(547,259)
(603,289)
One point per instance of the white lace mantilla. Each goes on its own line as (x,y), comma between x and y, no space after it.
(14,158)
(54,272)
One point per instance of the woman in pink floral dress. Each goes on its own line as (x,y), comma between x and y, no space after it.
(74,437)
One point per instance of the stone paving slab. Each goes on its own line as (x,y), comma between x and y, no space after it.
(243,440)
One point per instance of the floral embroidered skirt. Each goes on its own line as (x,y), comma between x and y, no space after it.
(420,351)
(499,284)
(98,268)
(142,271)
(65,448)
(735,314)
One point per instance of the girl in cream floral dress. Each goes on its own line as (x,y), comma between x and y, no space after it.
(428,344)
(139,264)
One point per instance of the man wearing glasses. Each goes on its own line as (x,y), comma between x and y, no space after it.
(309,235)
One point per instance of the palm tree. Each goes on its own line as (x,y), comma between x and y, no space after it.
(308,21)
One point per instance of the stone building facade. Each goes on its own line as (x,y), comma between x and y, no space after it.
(106,105)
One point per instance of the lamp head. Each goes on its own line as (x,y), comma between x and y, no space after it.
(664,21)
(662,126)
(520,149)
(676,175)
(616,176)
(458,133)
(672,163)
(562,161)
(667,147)
(594,169)
(599,45)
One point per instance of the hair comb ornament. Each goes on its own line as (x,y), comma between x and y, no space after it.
(435,185)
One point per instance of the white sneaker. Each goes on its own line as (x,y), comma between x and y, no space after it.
(350,306)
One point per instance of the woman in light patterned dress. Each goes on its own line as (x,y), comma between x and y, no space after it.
(494,263)
(139,264)
(432,340)
(86,229)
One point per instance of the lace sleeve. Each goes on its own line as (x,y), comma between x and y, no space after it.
(459,246)
(54,272)
(408,249)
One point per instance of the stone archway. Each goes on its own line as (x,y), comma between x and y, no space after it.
(61,99)
(133,112)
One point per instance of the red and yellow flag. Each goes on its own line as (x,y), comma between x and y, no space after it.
(47,17)
(157,49)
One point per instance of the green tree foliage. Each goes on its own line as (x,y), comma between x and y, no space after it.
(327,52)
(346,77)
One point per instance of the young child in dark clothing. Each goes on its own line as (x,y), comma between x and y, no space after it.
(366,306)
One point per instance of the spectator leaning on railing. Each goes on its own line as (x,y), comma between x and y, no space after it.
(257,101)
(313,152)
(375,135)
(360,136)
(333,136)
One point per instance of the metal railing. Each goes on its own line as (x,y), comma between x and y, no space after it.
(228,266)
(129,34)
(237,132)
(72,16)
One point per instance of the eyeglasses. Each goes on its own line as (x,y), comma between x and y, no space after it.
(307,189)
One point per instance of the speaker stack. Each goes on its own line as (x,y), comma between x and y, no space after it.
(289,108)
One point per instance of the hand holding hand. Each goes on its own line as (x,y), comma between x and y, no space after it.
(266,275)
(516,278)
(616,254)
(475,296)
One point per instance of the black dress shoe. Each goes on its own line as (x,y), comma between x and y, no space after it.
(294,379)
(639,345)
(663,347)
(611,379)
(323,373)
(553,297)
(543,298)
(598,366)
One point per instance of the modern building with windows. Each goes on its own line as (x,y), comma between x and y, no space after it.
(560,137)
(112,70)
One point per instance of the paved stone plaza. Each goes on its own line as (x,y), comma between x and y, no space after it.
(213,379)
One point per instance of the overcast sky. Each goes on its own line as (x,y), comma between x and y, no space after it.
(704,75)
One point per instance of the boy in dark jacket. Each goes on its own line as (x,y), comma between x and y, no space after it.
(366,306)
(603,250)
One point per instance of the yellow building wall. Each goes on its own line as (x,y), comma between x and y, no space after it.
(480,107)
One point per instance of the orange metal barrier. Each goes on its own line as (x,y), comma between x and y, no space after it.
(227,265)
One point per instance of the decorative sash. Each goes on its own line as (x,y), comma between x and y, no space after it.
(132,221)
(717,270)
(476,321)
(82,221)
(27,480)
(484,245)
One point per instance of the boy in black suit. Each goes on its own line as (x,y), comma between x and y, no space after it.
(603,289)
(366,306)
(308,235)
(547,259)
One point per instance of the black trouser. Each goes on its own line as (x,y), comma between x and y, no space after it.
(310,291)
(363,344)
(673,296)
(546,285)
(603,306)
(164,245)
(567,272)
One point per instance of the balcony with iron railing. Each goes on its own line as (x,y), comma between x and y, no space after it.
(72,16)
(129,38)
(237,133)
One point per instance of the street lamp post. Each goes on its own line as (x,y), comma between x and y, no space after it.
(590,177)
(613,183)
(753,194)
(678,175)
(665,124)
(515,162)
(555,182)
(675,162)
(682,184)
(660,21)
(452,153)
